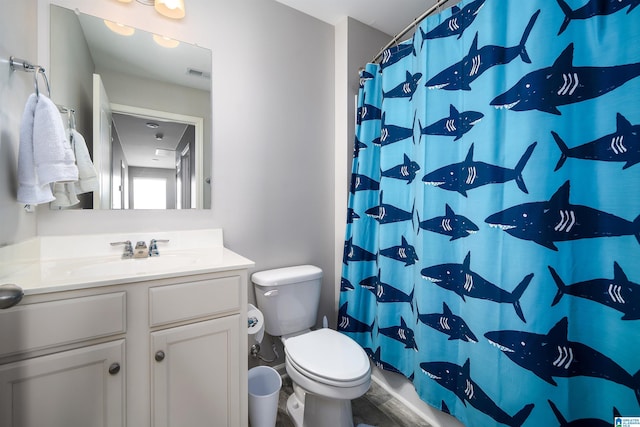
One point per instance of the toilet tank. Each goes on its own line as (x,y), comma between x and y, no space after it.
(288,298)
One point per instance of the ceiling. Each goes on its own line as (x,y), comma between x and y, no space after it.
(388,16)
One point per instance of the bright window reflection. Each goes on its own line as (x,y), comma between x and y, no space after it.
(149,193)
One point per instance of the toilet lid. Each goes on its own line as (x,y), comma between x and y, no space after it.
(328,354)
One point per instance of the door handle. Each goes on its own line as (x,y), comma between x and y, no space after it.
(159,356)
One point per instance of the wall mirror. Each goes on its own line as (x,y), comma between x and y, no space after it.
(142,102)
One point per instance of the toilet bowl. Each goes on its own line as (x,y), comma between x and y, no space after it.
(328,369)
(331,370)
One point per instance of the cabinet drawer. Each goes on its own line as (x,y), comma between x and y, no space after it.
(37,326)
(192,300)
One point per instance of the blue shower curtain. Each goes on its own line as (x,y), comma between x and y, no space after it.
(493,230)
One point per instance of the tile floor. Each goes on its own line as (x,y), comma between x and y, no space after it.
(376,408)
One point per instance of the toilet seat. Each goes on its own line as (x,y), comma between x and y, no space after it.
(328,357)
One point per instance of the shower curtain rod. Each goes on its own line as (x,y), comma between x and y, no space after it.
(413,24)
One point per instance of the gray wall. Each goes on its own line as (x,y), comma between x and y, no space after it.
(273,115)
(17,38)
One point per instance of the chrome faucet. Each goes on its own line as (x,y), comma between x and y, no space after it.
(153,246)
(128,249)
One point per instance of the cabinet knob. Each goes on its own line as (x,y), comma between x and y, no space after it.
(159,356)
(114,368)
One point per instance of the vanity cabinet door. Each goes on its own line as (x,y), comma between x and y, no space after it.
(195,374)
(81,387)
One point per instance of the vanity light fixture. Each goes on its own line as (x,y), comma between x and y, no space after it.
(170,8)
(165,41)
(173,9)
(121,29)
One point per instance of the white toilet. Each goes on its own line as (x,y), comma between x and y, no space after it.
(327,368)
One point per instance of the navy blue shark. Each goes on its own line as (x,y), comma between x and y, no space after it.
(448,323)
(352,216)
(368,112)
(457,379)
(356,253)
(364,77)
(460,279)
(406,171)
(361,182)
(584,422)
(386,214)
(386,293)
(594,8)
(455,226)
(470,174)
(405,89)
(556,220)
(457,124)
(444,408)
(404,253)
(459,21)
(401,333)
(345,285)
(357,147)
(347,323)
(392,133)
(395,54)
(370,283)
(553,355)
(619,293)
(385,366)
(563,84)
(621,146)
(459,76)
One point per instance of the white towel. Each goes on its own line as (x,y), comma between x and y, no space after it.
(88,178)
(30,189)
(65,194)
(52,152)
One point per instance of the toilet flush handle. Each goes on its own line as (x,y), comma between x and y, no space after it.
(271,293)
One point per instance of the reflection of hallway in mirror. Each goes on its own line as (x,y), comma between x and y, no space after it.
(154,149)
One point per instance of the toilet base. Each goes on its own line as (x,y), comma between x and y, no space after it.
(318,411)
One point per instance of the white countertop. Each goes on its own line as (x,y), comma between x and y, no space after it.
(185,254)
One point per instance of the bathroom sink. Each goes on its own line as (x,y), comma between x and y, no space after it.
(110,266)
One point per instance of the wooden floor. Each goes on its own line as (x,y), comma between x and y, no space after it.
(376,408)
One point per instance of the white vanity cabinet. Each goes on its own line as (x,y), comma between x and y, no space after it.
(197,366)
(167,352)
(67,362)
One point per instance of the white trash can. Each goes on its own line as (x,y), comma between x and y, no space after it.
(264,388)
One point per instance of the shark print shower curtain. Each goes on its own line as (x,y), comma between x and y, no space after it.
(493,232)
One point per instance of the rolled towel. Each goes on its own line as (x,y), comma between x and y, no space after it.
(30,189)
(52,152)
(87,176)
